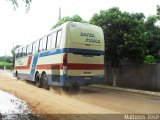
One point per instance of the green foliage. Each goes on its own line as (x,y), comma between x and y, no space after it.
(153,36)
(8,65)
(158,10)
(13,53)
(75,18)
(5,63)
(149,59)
(124,35)
(27,3)
(6,59)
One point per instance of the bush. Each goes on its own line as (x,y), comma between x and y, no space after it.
(8,65)
(149,59)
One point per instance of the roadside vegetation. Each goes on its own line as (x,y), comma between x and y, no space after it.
(6,61)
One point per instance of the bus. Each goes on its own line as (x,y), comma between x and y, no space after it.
(69,55)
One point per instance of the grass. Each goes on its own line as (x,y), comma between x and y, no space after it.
(5,63)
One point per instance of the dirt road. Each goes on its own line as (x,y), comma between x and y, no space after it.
(89,102)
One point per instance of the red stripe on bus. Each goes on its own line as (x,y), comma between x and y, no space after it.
(75,66)
(50,66)
(72,66)
(28,64)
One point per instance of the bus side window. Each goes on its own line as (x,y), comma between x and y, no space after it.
(29,49)
(53,43)
(44,43)
(20,53)
(35,46)
(16,53)
(40,45)
(59,36)
(49,41)
(23,51)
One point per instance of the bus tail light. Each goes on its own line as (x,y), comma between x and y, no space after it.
(65,63)
(65,60)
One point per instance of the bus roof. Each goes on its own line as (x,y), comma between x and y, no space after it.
(61,26)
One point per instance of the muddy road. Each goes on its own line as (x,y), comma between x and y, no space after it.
(89,103)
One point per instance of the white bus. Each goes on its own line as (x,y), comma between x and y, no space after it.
(70,55)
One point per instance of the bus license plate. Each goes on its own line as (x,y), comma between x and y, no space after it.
(87,78)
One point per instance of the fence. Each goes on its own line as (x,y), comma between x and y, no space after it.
(146,77)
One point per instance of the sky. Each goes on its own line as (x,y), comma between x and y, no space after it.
(20,28)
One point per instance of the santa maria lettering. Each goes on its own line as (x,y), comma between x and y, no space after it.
(87,34)
(90,37)
(92,40)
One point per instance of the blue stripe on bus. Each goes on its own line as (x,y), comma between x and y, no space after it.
(35,59)
(71,50)
(53,52)
(85,51)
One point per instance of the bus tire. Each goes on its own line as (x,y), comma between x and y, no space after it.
(76,88)
(17,75)
(66,88)
(44,78)
(38,80)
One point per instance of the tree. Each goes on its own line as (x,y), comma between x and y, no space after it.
(75,18)
(158,10)
(5,59)
(13,53)
(124,36)
(153,36)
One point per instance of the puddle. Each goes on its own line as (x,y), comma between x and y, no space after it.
(12,108)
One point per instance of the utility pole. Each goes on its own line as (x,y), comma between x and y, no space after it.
(13,56)
(59,9)
(13,44)
(5,61)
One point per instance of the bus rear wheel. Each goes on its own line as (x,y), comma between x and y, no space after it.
(44,78)
(17,75)
(38,80)
(72,89)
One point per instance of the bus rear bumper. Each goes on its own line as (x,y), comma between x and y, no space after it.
(83,80)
